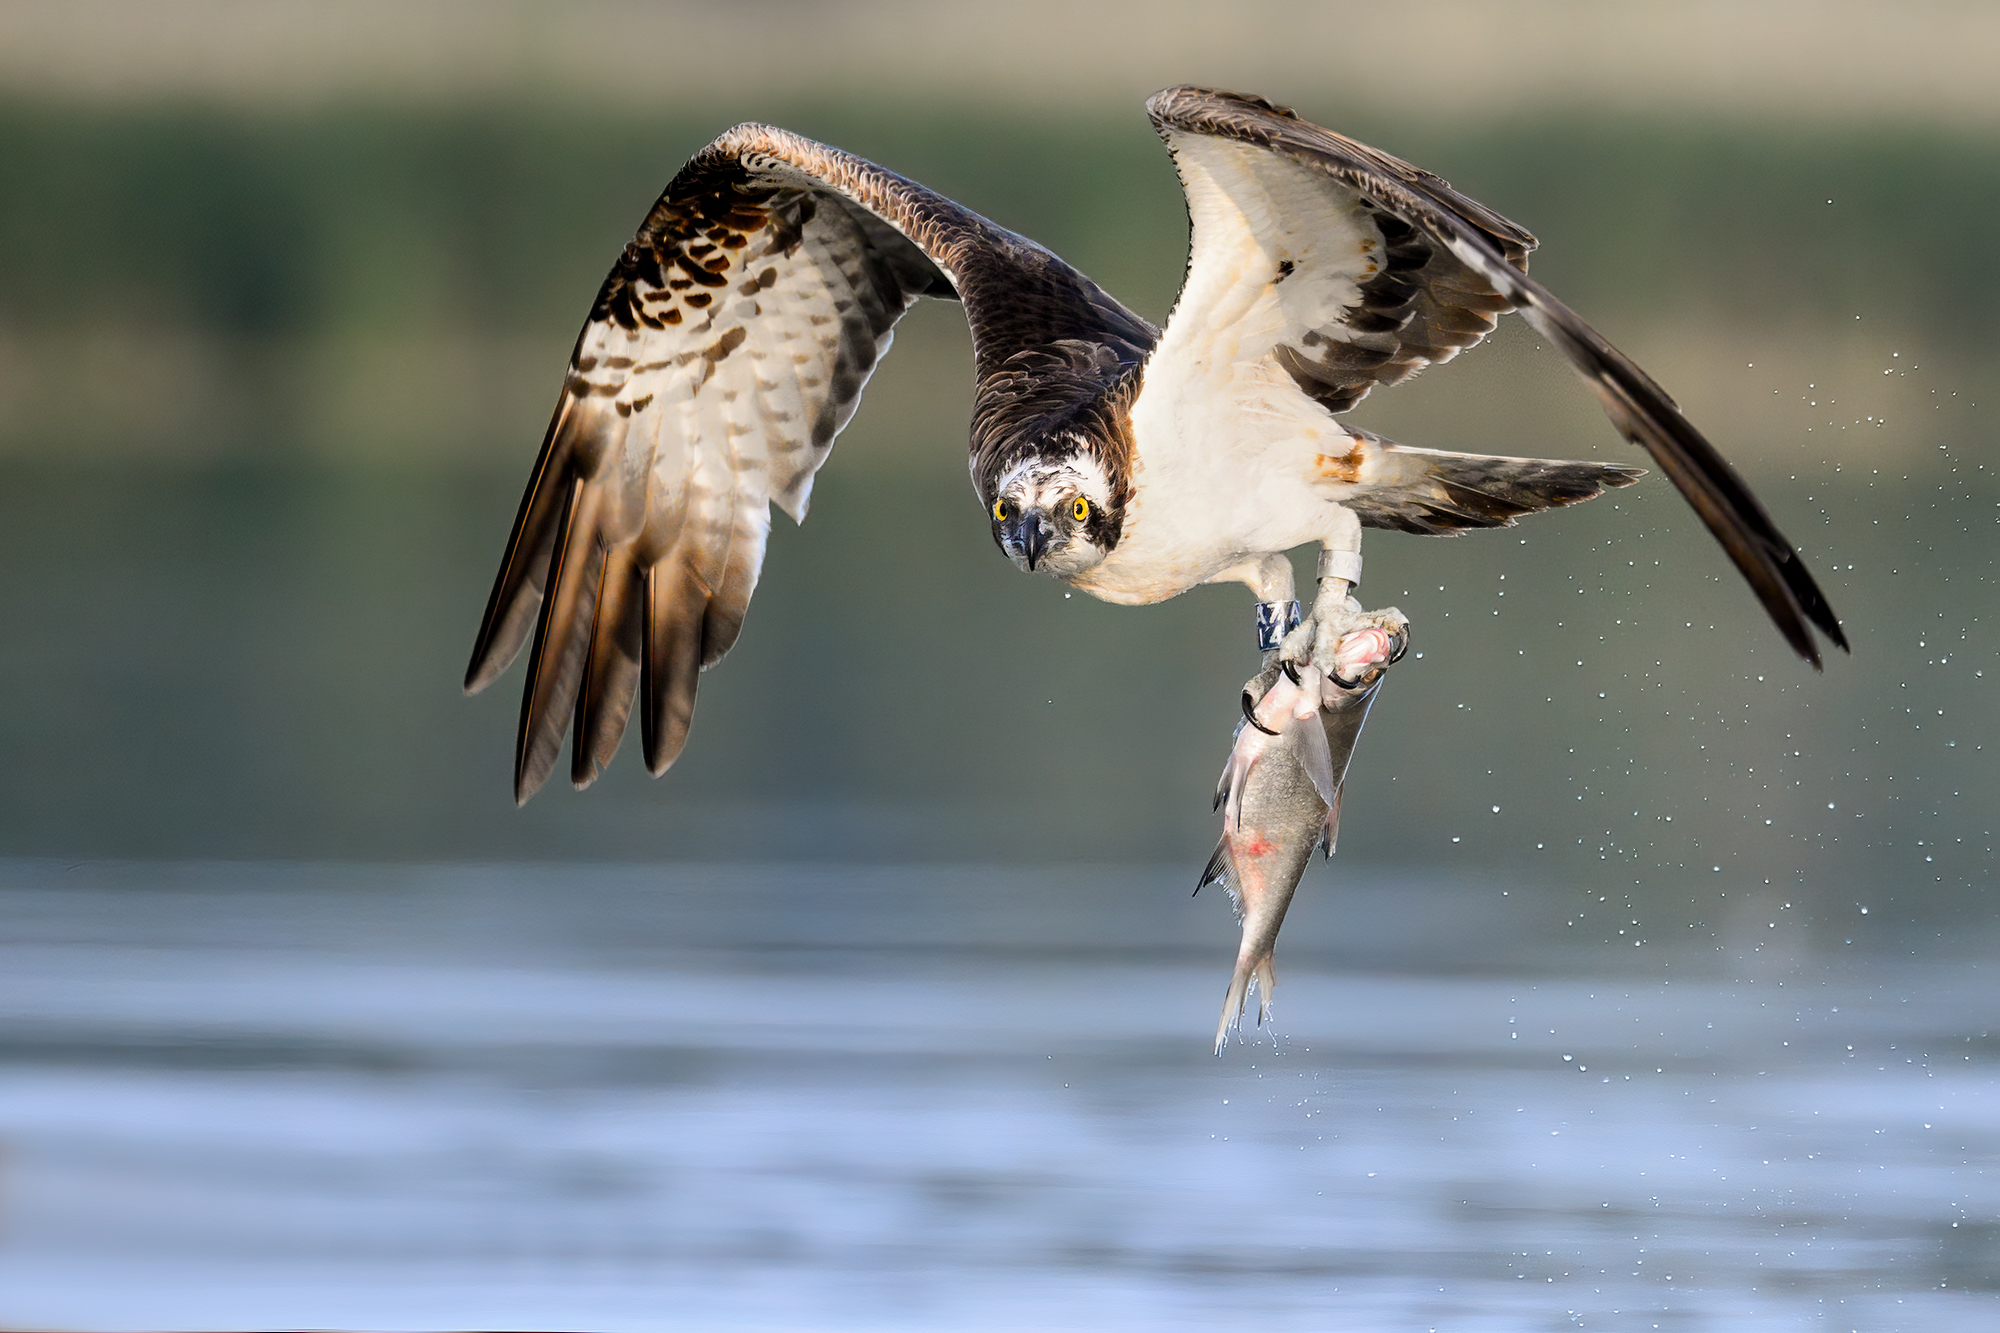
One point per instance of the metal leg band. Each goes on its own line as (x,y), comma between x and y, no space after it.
(1340,565)
(1274,621)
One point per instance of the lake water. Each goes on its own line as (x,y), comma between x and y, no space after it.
(242,1096)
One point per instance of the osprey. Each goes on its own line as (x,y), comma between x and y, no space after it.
(730,343)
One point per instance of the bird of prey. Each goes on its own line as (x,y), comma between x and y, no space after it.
(730,343)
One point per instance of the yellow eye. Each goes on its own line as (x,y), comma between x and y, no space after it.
(1080,510)
(1000,510)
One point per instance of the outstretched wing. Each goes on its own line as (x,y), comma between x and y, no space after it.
(1347,268)
(726,349)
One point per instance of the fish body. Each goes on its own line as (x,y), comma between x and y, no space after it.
(1280,798)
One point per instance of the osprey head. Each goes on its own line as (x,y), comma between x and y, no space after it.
(1055,515)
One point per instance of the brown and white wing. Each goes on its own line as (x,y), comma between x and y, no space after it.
(1343,268)
(726,349)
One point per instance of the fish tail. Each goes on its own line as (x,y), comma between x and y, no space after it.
(1232,1005)
(1251,973)
(1267,984)
(1221,869)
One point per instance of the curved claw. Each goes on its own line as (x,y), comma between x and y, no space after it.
(1290,671)
(1250,715)
(1346,684)
(1399,643)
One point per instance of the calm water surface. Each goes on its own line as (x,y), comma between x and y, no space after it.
(950,1098)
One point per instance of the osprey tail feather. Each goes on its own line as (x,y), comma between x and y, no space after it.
(1435,492)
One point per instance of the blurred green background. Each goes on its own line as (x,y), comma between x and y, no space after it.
(283,309)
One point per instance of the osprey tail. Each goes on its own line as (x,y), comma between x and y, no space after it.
(1436,493)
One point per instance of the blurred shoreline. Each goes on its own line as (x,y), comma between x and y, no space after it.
(379,285)
(1802,61)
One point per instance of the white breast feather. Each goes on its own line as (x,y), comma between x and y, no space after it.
(1224,438)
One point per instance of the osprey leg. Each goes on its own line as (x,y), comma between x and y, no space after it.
(1335,613)
(1277,610)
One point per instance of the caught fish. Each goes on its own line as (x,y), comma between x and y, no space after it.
(1280,794)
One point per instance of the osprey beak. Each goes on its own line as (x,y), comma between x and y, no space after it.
(1027,537)
(1035,538)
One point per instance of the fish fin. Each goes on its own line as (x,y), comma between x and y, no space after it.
(1232,1006)
(1316,758)
(1248,975)
(1236,776)
(1221,869)
(1330,832)
(1267,984)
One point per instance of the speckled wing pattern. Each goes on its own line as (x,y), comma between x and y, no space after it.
(1385,269)
(725,350)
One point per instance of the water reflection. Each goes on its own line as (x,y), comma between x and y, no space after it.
(743,1097)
